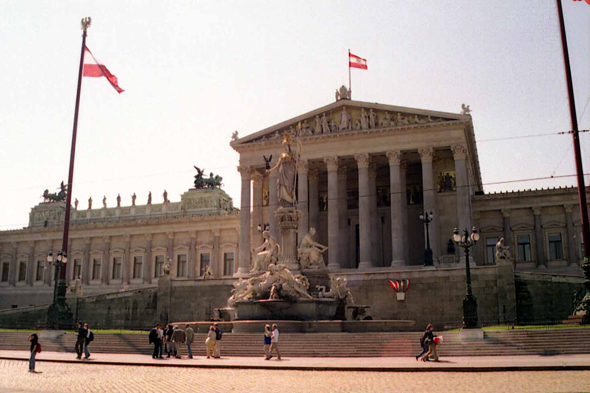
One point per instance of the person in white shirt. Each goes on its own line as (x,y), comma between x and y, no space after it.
(274,342)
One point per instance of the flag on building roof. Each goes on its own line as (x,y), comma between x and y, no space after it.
(94,68)
(356,62)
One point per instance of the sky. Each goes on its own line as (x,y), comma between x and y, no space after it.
(196,71)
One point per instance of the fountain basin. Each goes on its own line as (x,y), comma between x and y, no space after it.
(295,310)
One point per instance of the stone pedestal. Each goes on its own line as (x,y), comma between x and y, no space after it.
(288,218)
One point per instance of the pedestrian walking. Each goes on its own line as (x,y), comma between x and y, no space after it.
(168,339)
(161,340)
(87,340)
(154,339)
(218,335)
(80,340)
(267,339)
(274,341)
(190,336)
(178,338)
(428,344)
(35,347)
(211,341)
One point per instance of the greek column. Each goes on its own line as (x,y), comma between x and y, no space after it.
(343,218)
(85,262)
(403,170)
(539,241)
(463,202)
(376,259)
(429,193)
(273,204)
(127,263)
(244,248)
(571,237)
(333,261)
(364,211)
(314,204)
(302,205)
(257,180)
(397,196)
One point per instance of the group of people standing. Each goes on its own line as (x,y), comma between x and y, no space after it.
(169,339)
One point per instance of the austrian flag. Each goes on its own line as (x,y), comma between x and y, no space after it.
(356,62)
(94,68)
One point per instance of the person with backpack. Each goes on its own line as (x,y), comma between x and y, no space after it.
(154,339)
(35,348)
(87,340)
(428,345)
(218,335)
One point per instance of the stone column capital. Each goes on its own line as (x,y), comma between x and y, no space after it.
(303,167)
(363,160)
(244,171)
(505,212)
(568,208)
(459,152)
(332,163)
(257,178)
(426,154)
(106,239)
(87,240)
(342,173)
(537,211)
(394,157)
(313,175)
(170,235)
(216,232)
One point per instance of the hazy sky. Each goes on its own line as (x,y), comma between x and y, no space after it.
(195,71)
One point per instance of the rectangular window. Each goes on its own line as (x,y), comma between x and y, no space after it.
(555,248)
(205,261)
(77,269)
(523,244)
(159,272)
(491,250)
(5,269)
(228,263)
(137,266)
(96,267)
(22,271)
(181,266)
(40,270)
(117,267)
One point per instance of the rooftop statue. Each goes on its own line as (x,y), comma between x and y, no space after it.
(59,197)
(234,136)
(465,110)
(343,93)
(214,181)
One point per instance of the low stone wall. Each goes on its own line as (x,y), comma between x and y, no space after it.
(23,317)
(545,298)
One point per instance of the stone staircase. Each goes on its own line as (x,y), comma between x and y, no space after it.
(497,343)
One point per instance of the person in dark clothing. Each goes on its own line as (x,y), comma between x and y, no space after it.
(34,339)
(426,341)
(169,345)
(81,339)
(155,339)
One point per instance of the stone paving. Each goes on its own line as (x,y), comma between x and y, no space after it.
(81,378)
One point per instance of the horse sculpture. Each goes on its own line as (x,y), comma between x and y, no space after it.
(53,197)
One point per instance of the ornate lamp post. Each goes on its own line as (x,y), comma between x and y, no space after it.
(426,219)
(469,302)
(58,311)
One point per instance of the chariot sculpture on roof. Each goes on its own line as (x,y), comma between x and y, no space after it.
(56,197)
(213,181)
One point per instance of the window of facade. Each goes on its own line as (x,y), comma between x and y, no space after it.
(228,263)
(137,266)
(523,245)
(40,270)
(5,269)
(96,268)
(117,268)
(181,265)
(22,271)
(491,250)
(77,269)
(159,271)
(205,261)
(555,246)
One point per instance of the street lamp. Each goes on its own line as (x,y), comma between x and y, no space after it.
(469,302)
(58,310)
(426,219)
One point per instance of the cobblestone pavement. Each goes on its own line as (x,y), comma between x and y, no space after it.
(63,378)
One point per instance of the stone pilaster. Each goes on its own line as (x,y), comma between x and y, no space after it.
(314,204)
(333,224)
(192,256)
(13,272)
(127,263)
(245,245)
(571,238)
(148,274)
(397,196)
(215,264)
(343,254)
(257,181)
(170,251)
(507,227)
(273,204)
(376,260)
(429,193)
(363,162)
(31,264)
(86,262)
(106,260)
(302,198)
(539,241)
(403,171)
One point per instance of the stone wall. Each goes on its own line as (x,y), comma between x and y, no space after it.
(24,317)
(545,298)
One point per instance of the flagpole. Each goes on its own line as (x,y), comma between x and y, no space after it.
(60,313)
(349,78)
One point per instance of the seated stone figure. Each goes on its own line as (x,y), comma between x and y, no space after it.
(293,286)
(310,252)
(267,253)
(502,251)
(338,290)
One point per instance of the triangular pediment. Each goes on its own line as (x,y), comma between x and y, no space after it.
(346,116)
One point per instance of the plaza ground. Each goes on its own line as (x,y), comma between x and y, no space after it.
(80,378)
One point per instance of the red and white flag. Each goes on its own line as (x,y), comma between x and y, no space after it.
(94,68)
(356,62)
